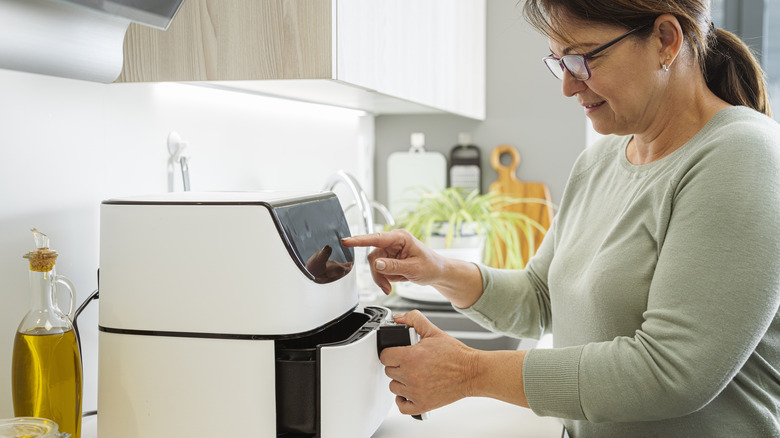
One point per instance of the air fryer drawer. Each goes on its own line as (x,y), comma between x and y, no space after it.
(331,378)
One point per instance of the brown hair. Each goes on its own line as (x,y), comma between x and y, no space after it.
(730,69)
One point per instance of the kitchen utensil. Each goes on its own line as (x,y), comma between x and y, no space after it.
(508,184)
(412,173)
(46,364)
(178,156)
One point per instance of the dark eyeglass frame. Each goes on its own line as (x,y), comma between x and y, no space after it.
(550,60)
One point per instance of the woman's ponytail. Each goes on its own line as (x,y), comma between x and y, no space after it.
(733,73)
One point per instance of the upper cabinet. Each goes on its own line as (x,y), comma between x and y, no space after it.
(383,56)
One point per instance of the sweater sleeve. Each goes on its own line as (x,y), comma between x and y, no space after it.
(712,298)
(516,302)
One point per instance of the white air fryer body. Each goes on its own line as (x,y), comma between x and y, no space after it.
(201,296)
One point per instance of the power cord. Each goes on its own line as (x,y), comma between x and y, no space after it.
(94,296)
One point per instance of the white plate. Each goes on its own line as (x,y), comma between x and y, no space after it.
(415,292)
(429,294)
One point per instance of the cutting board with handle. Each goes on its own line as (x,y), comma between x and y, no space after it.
(412,173)
(508,184)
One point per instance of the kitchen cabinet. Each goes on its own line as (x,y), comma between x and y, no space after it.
(383,56)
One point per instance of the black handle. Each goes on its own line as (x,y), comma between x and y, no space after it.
(395,335)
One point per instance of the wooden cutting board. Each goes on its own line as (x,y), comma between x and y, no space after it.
(508,184)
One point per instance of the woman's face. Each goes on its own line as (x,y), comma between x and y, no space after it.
(619,97)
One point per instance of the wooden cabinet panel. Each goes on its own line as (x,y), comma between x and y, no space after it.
(233,40)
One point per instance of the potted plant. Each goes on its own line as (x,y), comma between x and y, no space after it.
(453,219)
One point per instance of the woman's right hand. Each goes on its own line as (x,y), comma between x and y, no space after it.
(399,256)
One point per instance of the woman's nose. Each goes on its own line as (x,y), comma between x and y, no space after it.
(571,86)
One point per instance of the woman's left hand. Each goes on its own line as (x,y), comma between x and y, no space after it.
(435,372)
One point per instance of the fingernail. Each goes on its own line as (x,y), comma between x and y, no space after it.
(380,265)
(399,315)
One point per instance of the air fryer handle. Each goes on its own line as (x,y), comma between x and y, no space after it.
(393,335)
(397,335)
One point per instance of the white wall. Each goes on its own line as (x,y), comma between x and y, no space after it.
(66,145)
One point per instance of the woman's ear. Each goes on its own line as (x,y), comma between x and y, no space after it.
(670,38)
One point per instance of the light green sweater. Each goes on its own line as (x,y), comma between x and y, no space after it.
(661,286)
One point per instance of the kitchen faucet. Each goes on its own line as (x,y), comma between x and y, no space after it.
(366,287)
(361,199)
(383,211)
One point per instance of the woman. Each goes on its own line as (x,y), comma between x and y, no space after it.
(660,276)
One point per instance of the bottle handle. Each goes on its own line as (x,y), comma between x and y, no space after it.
(61,279)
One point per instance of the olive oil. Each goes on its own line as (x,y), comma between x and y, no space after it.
(47,378)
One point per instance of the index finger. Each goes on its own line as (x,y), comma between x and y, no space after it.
(379,240)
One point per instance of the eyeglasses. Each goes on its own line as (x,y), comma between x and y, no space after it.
(577,65)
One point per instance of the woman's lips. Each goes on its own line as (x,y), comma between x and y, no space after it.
(590,107)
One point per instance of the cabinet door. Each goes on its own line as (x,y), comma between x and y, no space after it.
(427,51)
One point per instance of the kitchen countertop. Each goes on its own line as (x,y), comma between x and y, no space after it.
(467,418)
(471,418)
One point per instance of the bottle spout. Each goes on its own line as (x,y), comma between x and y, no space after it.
(41,239)
(43,258)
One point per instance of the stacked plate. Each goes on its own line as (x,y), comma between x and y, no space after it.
(429,294)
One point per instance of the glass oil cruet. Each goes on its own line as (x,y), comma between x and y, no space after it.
(46,372)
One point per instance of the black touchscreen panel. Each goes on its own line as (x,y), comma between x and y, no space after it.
(314,230)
